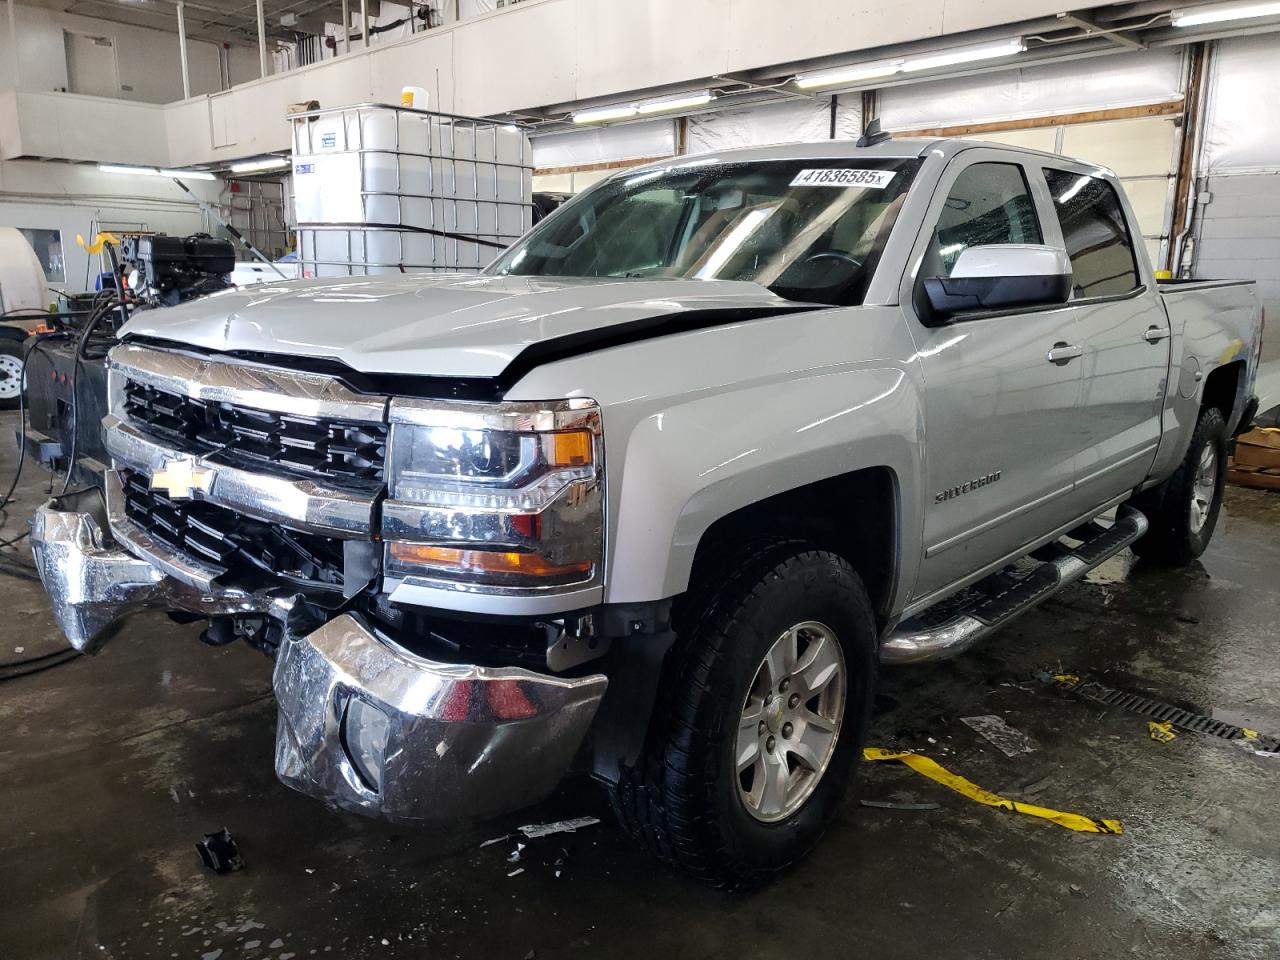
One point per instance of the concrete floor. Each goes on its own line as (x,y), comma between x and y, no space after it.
(112,767)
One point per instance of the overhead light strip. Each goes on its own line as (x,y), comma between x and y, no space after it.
(253,166)
(1221,13)
(858,72)
(623,111)
(156,172)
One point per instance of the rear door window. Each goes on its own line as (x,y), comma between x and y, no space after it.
(988,203)
(1096,234)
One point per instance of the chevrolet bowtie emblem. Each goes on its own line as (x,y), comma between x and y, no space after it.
(182,478)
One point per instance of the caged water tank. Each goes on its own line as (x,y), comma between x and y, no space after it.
(384,189)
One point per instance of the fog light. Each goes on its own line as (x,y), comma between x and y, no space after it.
(364,738)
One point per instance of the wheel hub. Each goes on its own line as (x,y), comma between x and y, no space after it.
(1204,487)
(790,721)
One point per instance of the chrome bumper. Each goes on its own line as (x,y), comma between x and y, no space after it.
(94,584)
(370,727)
(364,724)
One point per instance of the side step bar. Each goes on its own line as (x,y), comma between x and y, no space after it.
(910,644)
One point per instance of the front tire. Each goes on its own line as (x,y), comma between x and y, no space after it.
(1184,510)
(762,712)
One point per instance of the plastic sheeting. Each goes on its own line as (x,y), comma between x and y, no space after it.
(790,121)
(626,141)
(1096,83)
(1242,123)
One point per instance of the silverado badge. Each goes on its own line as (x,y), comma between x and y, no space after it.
(182,477)
(958,491)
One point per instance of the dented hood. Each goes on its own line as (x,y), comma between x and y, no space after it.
(452,326)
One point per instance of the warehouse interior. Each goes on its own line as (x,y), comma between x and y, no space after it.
(306,308)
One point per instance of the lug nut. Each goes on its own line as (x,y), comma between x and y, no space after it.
(770,744)
(786,729)
(786,682)
(794,701)
(762,726)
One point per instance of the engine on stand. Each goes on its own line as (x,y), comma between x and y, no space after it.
(66,372)
(165,271)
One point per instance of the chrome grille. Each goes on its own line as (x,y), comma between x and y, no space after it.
(244,547)
(348,451)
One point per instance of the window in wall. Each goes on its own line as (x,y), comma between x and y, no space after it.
(988,203)
(1096,234)
(48,247)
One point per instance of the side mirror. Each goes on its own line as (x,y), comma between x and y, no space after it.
(1001,276)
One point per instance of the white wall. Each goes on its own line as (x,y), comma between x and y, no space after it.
(79,199)
(147,60)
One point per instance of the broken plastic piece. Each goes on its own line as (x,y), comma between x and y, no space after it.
(219,852)
(535,830)
(1010,741)
(1161,732)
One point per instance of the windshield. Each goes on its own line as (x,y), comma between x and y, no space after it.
(808,230)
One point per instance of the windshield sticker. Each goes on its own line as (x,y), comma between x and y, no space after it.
(843,177)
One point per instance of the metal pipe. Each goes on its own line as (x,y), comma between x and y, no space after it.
(262,41)
(13,42)
(364,20)
(346,26)
(182,50)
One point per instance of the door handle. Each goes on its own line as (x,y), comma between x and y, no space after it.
(1155,334)
(1063,353)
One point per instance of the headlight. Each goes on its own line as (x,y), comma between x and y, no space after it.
(501,496)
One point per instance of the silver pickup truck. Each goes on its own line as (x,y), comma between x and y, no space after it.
(655,494)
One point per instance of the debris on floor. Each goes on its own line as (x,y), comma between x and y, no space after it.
(895,805)
(1161,732)
(535,830)
(218,852)
(1011,742)
(934,771)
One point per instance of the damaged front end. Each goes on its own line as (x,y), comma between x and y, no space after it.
(365,724)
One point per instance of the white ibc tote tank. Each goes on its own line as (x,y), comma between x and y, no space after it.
(387,189)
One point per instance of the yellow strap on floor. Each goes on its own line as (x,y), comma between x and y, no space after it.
(934,771)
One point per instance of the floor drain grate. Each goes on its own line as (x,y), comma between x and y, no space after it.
(1167,713)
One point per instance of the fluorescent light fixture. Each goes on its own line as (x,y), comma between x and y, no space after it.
(1195,16)
(600,114)
(969,54)
(156,172)
(680,101)
(858,72)
(251,166)
(851,74)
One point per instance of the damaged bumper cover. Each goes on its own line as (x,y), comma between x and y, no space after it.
(364,724)
(369,726)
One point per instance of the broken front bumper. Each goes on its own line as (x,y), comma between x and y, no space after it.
(364,723)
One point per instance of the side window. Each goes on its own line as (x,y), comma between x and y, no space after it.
(1096,234)
(988,203)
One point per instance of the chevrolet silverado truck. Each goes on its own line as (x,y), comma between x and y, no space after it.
(655,494)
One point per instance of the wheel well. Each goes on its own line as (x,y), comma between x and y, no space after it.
(12,333)
(1221,388)
(854,515)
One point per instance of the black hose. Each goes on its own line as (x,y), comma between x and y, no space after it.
(24,668)
(81,343)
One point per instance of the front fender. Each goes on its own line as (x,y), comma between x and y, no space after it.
(691,464)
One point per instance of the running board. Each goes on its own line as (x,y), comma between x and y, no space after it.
(910,644)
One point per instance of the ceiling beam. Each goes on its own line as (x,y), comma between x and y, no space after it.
(1092,29)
